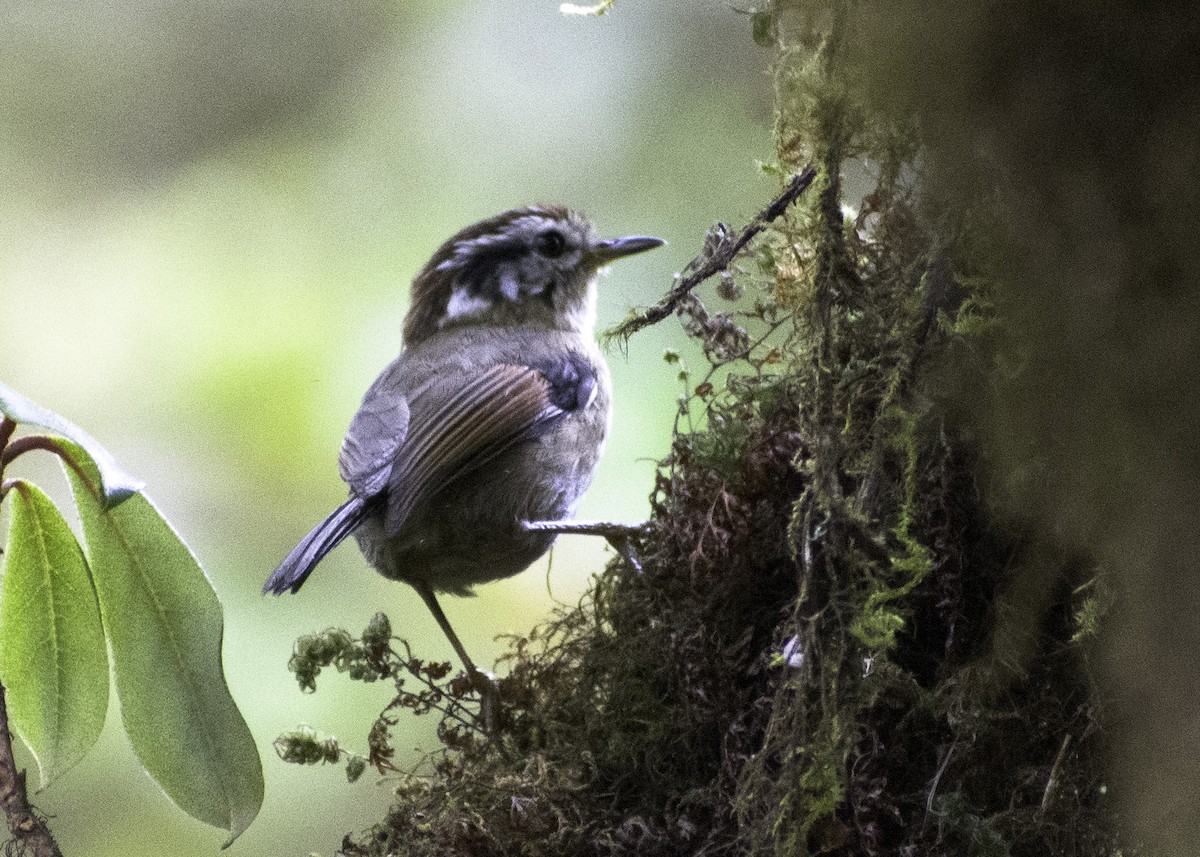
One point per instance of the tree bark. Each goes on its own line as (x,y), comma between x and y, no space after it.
(28,829)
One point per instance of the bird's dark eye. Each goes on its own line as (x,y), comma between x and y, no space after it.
(550,244)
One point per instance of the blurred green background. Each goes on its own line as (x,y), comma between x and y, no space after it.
(211,213)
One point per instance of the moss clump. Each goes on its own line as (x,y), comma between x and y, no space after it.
(626,720)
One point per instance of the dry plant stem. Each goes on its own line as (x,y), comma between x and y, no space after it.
(29,831)
(1052,780)
(721,257)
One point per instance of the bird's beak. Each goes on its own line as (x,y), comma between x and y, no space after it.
(603,252)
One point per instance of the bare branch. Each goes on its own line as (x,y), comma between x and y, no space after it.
(714,259)
(26,826)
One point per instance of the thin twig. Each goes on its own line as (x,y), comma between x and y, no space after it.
(933,785)
(453,704)
(720,257)
(1052,780)
(28,829)
(47,444)
(7,427)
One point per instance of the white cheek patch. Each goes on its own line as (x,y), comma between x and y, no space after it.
(510,285)
(463,304)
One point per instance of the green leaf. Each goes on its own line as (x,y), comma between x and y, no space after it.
(116,483)
(164,627)
(52,655)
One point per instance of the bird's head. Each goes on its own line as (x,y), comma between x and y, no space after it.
(531,266)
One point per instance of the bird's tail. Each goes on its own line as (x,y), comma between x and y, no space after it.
(299,564)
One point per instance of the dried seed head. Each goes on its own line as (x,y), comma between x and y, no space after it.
(729,288)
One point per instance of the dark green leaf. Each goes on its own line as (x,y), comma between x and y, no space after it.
(164,627)
(52,655)
(117,484)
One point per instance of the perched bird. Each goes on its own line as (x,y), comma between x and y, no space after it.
(486,429)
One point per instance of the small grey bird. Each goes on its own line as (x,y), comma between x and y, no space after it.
(487,428)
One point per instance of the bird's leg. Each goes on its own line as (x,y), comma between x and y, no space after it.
(620,536)
(489,691)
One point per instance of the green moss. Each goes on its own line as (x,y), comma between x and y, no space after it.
(1094,599)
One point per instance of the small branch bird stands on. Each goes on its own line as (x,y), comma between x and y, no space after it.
(488,426)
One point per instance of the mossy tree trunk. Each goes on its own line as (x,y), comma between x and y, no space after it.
(1057,149)
(941,701)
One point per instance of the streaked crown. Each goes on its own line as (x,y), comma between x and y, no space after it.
(528,266)
(523,255)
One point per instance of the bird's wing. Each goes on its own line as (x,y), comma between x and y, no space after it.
(373,440)
(458,425)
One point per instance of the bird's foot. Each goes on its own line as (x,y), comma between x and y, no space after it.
(621,536)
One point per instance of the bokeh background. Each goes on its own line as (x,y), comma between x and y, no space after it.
(210,215)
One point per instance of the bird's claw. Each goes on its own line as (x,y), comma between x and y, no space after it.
(622,543)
